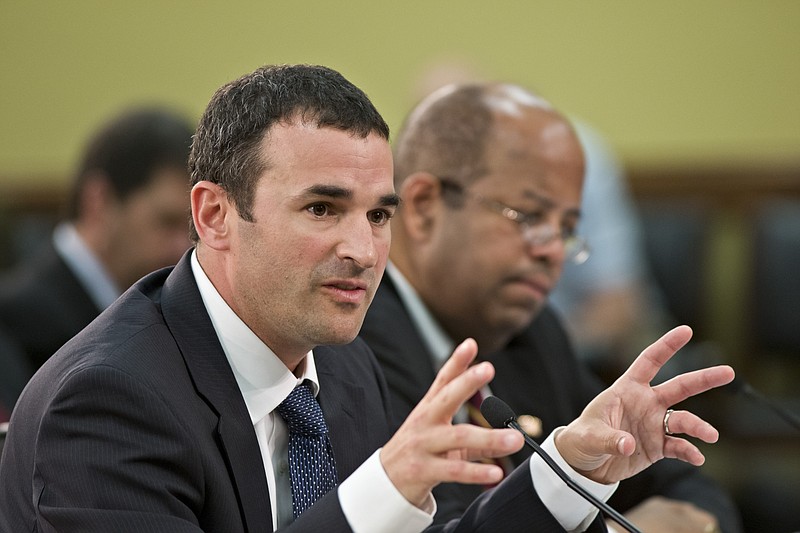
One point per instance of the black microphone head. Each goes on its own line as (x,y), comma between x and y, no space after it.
(497,412)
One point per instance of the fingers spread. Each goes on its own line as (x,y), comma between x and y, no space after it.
(690,384)
(442,404)
(458,471)
(475,442)
(677,448)
(686,423)
(417,461)
(646,366)
(455,365)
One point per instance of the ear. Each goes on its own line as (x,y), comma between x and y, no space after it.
(211,213)
(96,200)
(422,194)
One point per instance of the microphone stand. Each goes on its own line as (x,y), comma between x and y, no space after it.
(603,506)
(747,390)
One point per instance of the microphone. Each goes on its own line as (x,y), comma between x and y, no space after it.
(500,415)
(740,386)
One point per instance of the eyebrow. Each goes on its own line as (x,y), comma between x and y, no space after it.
(390,200)
(334,191)
(547,203)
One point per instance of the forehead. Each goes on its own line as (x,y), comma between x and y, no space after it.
(297,154)
(537,151)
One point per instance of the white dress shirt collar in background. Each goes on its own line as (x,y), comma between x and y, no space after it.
(439,344)
(85,265)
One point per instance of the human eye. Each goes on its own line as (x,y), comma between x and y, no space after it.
(320,210)
(532,218)
(380,217)
(569,229)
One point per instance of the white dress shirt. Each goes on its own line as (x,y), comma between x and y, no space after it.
(369,500)
(85,265)
(570,509)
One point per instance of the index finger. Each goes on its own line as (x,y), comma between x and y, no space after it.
(645,367)
(455,384)
(456,364)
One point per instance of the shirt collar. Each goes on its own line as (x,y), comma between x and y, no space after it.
(82,261)
(436,340)
(262,377)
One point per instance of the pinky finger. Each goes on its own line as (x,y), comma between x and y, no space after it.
(682,449)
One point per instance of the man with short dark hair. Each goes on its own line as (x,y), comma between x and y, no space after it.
(230,393)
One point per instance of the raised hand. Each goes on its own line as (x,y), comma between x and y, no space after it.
(621,432)
(428,449)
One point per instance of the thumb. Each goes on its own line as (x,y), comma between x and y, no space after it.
(607,441)
(588,450)
(622,443)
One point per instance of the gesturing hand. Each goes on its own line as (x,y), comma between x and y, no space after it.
(428,449)
(621,431)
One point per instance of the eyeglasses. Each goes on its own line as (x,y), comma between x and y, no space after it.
(535,231)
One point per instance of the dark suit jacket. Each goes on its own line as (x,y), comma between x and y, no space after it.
(137,424)
(42,304)
(538,374)
(14,373)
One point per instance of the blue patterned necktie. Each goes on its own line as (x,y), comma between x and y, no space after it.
(312,468)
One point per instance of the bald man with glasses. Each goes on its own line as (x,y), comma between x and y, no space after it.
(491,177)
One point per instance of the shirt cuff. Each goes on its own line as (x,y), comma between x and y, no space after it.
(370,502)
(568,507)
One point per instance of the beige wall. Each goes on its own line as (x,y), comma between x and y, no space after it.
(674,81)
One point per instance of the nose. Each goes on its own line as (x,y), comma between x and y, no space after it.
(358,244)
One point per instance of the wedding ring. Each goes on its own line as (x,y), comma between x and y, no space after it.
(666,422)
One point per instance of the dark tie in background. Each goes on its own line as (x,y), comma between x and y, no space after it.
(312,468)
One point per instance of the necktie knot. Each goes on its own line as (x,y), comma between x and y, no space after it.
(302,413)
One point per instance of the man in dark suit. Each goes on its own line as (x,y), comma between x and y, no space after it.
(490,176)
(126,216)
(176,409)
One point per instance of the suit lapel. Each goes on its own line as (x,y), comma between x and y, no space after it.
(406,357)
(343,405)
(185,315)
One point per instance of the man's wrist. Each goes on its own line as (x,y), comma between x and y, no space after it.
(371,502)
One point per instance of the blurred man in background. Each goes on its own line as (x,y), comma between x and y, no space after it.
(127,214)
(490,177)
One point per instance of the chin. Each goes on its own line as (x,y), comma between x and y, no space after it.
(340,335)
(518,319)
